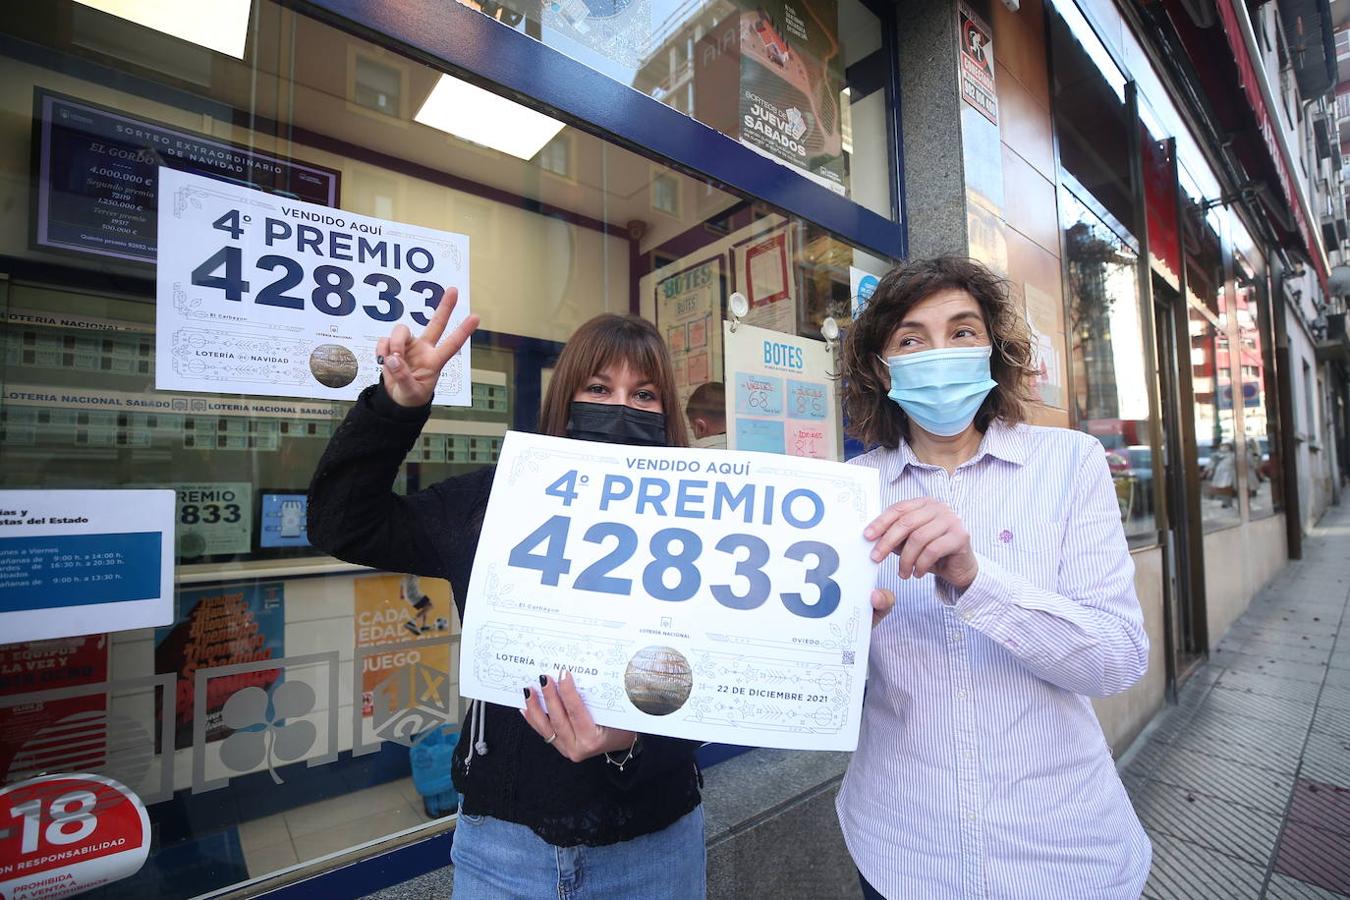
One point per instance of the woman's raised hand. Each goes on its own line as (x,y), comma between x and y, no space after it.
(412,366)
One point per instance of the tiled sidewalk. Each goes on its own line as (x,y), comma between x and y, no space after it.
(1244,786)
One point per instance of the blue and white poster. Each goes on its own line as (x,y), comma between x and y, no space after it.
(786,398)
(258,294)
(704,594)
(861,286)
(84,562)
(284,521)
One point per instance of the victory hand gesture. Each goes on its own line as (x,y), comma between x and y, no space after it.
(412,366)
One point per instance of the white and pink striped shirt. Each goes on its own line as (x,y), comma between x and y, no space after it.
(981,770)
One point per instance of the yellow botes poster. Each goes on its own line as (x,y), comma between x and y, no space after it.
(396,610)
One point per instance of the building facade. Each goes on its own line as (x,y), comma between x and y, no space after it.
(1148,177)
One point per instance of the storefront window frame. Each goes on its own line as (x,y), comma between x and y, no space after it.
(469,45)
(1223,332)
(397,857)
(1247,264)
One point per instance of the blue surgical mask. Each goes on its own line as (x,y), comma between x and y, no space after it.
(941,390)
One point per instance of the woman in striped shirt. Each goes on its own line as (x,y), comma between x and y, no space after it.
(981,770)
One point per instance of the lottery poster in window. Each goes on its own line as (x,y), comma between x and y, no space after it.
(784,398)
(263,295)
(764,275)
(28,728)
(214,519)
(688,310)
(97,177)
(219,626)
(712,595)
(394,610)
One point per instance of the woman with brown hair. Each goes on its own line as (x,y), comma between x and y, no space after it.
(981,770)
(550,799)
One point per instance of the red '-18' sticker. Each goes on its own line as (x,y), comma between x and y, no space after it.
(65,834)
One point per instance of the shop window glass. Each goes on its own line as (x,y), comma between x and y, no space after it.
(554,239)
(795,80)
(1216,438)
(1260,420)
(1101,263)
(1106,355)
(1215,431)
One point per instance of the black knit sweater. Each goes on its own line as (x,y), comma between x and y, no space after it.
(355,516)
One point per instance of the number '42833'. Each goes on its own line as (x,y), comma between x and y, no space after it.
(330,289)
(678,550)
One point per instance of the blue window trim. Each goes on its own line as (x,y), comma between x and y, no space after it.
(482,51)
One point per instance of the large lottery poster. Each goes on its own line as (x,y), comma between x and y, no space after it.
(258,294)
(395,609)
(219,626)
(688,313)
(747,622)
(781,396)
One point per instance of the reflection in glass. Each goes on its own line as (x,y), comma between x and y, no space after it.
(1107,356)
(1211,382)
(771,74)
(1260,422)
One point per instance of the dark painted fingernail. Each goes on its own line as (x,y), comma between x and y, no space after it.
(527,693)
(543,680)
(379,359)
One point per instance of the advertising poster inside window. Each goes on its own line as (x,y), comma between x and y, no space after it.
(764,275)
(214,519)
(781,396)
(220,626)
(98,175)
(782,63)
(392,610)
(688,315)
(26,729)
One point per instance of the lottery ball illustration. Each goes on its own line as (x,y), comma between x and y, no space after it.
(333,365)
(658,680)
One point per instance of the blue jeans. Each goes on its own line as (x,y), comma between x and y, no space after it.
(496,860)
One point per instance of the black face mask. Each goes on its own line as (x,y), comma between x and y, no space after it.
(616,423)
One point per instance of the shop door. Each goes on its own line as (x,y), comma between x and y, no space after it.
(1178,493)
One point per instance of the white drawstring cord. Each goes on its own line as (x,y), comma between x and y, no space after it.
(478,732)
